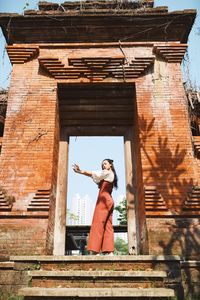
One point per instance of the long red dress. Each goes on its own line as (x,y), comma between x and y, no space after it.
(101,236)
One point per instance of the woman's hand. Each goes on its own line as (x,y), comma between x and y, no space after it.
(76,168)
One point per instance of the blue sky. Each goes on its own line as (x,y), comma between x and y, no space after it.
(88,151)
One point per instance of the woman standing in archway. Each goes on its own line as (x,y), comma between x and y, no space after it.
(101,238)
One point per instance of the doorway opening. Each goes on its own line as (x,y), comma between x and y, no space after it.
(82,191)
(101,110)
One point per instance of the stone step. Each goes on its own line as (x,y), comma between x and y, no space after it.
(77,280)
(88,293)
(103,273)
(166,263)
(93,279)
(93,258)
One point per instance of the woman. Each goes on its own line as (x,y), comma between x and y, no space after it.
(101,238)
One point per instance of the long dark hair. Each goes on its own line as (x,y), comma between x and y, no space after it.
(115,182)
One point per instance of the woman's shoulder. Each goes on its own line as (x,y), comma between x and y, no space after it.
(107,172)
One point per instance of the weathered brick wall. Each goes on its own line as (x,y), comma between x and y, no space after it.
(27,152)
(31,138)
(167,154)
(190,278)
(174,236)
(32,126)
(23,236)
(28,159)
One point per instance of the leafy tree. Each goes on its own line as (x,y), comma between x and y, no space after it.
(72,216)
(122,209)
(121,247)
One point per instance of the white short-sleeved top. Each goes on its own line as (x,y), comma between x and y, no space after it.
(107,175)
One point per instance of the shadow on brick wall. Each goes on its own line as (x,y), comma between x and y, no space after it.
(168,170)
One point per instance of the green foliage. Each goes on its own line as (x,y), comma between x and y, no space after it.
(72,216)
(10,296)
(122,209)
(121,247)
(36,266)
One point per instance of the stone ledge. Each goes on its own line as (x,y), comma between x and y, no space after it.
(97,292)
(133,274)
(142,258)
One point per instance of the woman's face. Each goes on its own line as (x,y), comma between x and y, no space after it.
(106,165)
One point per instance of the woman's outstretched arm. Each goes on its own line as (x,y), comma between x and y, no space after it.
(77,169)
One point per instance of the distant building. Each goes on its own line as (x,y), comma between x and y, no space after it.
(81,210)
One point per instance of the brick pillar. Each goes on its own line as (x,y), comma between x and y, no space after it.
(28,160)
(167,156)
(28,143)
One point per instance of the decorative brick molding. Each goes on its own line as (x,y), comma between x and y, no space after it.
(21,54)
(96,68)
(172,53)
(154,202)
(6,201)
(196,144)
(192,202)
(40,201)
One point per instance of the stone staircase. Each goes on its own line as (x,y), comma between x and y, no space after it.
(100,277)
